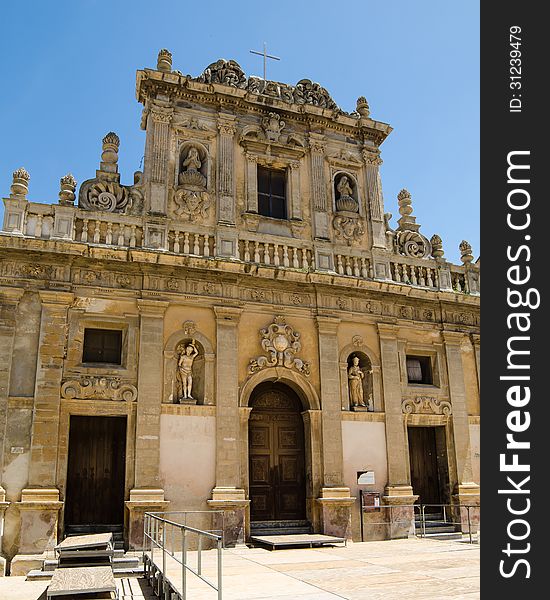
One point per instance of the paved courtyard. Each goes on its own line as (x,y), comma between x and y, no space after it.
(403,569)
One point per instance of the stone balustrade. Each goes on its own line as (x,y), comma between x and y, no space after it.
(72,224)
(276,254)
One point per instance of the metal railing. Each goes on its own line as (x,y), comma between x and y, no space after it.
(388,522)
(166,553)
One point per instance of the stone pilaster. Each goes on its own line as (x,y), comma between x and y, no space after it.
(147,495)
(334,501)
(3,506)
(158,131)
(228,495)
(375,198)
(9,300)
(226,185)
(251,183)
(47,391)
(461,426)
(398,489)
(318,187)
(295,208)
(477,350)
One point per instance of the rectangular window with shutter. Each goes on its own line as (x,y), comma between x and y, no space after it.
(102,346)
(272,193)
(419,370)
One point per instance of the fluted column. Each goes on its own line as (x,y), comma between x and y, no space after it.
(157,163)
(318,186)
(226,192)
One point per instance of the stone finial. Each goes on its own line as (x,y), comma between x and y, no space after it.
(109,154)
(67,190)
(164,60)
(466,255)
(20,183)
(363,107)
(407,222)
(437,246)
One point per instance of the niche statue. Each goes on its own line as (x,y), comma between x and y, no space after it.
(355,383)
(184,376)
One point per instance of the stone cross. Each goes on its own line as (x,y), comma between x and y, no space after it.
(266,56)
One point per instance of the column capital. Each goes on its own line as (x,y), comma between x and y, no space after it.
(475,337)
(453,338)
(152,308)
(387,331)
(327,323)
(55,297)
(10,295)
(230,315)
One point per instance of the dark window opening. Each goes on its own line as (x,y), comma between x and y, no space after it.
(271,193)
(102,346)
(419,369)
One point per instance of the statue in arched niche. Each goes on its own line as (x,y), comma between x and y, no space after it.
(357,385)
(187,352)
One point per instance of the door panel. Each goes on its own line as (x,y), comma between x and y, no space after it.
(276,457)
(424,465)
(96,471)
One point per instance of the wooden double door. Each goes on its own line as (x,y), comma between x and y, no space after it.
(429,467)
(276,455)
(95,475)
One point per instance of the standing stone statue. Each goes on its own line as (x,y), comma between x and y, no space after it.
(185,368)
(355,381)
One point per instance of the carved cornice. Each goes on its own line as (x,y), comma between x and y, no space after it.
(101,388)
(56,297)
(152,308)
(426,405)
(227,315)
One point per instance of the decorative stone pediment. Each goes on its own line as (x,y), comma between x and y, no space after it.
(281,343)
(230,73)
(426,405)
(101,388)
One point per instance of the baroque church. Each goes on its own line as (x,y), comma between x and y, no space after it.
(241,330)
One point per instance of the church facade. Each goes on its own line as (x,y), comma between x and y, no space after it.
(242,329)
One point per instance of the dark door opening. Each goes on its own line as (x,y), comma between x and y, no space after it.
(276,455)
(94,500)
(429,468)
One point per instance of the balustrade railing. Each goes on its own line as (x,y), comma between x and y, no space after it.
(124,231)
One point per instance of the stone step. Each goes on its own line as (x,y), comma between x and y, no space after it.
(128,572)
(39,575)
(456,535)
(281,524)
(275,531)
(438,530)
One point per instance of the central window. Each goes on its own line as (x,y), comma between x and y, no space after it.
(102,346)
(419,370)
(272,193)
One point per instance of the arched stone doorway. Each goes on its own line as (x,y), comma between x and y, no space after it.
(276,452)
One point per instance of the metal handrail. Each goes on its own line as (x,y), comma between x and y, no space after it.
(154,532)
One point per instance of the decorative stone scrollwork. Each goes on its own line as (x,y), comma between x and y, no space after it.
(413,244)
(106,196)
(281,343)
(273,125)
(193,204)
(102,388)
(426,405)
(347,223)
(229,72)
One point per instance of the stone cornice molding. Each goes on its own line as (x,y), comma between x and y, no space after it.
(11,295)
(453,338)
(152,308)
(56,297)
(227,315)
(327,324)
(387,331)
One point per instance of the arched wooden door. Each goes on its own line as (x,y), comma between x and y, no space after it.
(276,455)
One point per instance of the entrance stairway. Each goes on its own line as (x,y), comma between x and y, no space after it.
(436,527)
(279,528)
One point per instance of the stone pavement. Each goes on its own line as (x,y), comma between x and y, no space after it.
(404,569)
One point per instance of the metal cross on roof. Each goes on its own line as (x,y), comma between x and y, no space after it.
(266,56)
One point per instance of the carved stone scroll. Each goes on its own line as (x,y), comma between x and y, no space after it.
(426,405)
(101,388)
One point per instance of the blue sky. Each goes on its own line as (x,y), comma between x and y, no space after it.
(68,77)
